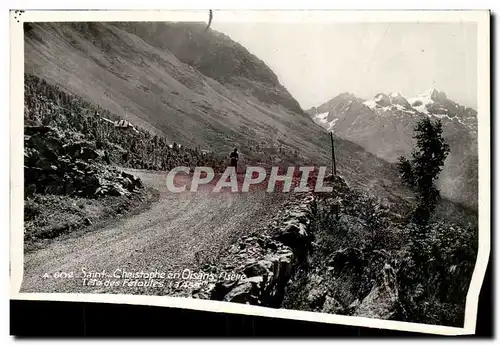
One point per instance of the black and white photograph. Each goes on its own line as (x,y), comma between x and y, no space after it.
(329,164)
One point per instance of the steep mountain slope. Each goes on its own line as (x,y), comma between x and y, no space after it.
(194,87)
(384,126)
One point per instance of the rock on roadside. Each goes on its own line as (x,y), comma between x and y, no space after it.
(265,263)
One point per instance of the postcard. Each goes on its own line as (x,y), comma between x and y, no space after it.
(327,166)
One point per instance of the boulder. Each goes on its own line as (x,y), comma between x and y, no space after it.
(332,306)
(298,215)
(347,257)
(316,297)
(136,181)
(351,309)
(221,289)
(281,271)
(43,147)
(264,281)
(294,235)
(259,268)
(81,150)
(383,300)
(245,291)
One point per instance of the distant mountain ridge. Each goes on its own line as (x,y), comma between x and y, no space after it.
(384,126)
(431,102)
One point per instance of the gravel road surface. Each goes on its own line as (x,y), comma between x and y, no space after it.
(180,232)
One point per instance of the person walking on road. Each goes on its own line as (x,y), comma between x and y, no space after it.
(234,158)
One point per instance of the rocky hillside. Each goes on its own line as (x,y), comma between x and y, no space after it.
(384,126)
(193,87)
(348,253)
(364,261)
(102,134)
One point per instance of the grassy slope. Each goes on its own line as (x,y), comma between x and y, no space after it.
(151,86)
(49,216)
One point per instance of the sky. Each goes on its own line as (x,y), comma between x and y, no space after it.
(317,61)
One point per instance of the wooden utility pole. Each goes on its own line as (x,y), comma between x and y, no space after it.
(334,165)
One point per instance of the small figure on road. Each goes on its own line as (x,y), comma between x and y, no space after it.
(234,158)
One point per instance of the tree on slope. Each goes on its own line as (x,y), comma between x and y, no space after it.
(421,171)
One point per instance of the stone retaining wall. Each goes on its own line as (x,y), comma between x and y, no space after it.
(267,261)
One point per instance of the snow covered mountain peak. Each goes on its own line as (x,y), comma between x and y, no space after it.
(429,93)
(433,94)
(384,125)
(432,103)
(393,101)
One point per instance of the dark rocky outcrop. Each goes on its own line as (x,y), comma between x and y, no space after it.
(53,164)
(383,300)
(382,100)
(345,258)
(348,272)
(399,99)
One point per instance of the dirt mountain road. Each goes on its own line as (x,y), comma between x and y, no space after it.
(177,232)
